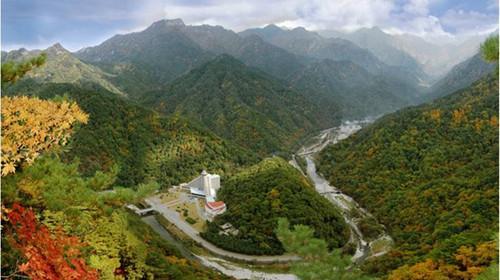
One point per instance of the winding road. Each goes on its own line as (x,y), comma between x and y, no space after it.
(174,217)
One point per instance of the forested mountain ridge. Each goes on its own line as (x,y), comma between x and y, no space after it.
(143,145)
(168,48)
(148,59)
(302,42)
(460,76)
(429,173)
(241,104)
(260,194)
(346,89)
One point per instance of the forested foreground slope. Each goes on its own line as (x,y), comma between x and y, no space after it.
(430,174)
(57,224)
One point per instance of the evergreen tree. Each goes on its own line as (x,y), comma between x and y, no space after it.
(317,262)
(13,71)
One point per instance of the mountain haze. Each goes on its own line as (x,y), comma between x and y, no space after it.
(461,76)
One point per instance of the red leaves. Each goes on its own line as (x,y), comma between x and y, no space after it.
(49,255)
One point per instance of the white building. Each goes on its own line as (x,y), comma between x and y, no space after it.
(205,185)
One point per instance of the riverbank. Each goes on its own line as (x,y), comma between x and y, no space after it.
(354,215)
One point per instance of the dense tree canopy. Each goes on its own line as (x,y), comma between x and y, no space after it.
(140,143)
(489,49)
(13,71)
(257,196)
(316,263)
(72,230)
(31,126)
(429,173)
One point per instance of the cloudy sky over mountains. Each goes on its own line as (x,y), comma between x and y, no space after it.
(77,23)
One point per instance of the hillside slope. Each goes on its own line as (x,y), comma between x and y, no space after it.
(141,143)
(429,173)
(305,43)
(240,104)
(460,76)
(407,79)
(347,90)
(148,59)
(257,196)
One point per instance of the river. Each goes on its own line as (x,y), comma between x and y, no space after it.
(352,212)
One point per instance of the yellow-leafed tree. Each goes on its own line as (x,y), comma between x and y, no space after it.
(31,126)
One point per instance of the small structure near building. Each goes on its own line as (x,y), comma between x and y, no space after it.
(228,229)
(140,212)
(206,186)
(214,208)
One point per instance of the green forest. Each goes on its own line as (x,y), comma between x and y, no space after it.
(57,223)
(429,173)
(137,143)
(241,104)
(257,196)
(87,133)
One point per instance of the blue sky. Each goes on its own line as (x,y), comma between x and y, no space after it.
(76,24)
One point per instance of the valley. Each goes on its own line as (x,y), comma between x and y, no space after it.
(184,149)
(365,247)
(353,214)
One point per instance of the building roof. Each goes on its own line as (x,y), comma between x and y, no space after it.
(215,205)
(197,191)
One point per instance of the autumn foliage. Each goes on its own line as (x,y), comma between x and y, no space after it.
(31,125)
(470,262)
(49,255)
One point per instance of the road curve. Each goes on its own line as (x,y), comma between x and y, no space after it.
(175,219)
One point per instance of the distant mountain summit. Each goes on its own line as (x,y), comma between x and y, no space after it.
(148,59)
(433,58)
(167,49)
(305,43)
(63,67)
(380,44)
(167,23)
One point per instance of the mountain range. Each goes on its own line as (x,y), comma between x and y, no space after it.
(435,59)
(287,83)
(173,99)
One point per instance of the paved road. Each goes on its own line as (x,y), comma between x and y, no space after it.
(153,223)
(175,218)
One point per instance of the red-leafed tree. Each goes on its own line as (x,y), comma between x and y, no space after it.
(49,255)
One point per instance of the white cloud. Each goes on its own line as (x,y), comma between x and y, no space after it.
(416,7)
(411,16)
(394,16)
(470,22)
